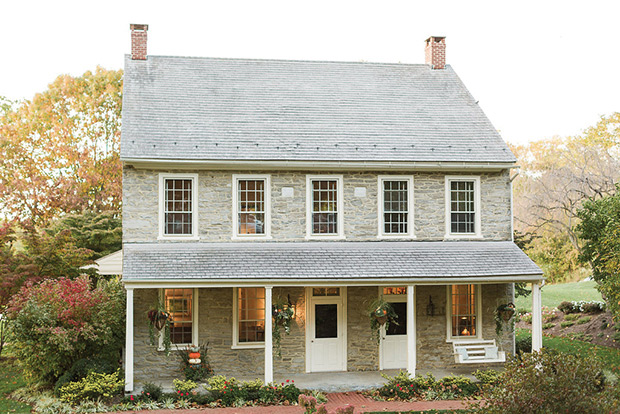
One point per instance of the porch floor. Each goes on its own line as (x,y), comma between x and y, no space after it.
(357,381)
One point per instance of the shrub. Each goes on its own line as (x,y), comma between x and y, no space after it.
(195,372)
(526,317)
(487,377)
(523,345)
(184,387)
(593,307)
(152,391)
(404,387)
(572,317)
(567,307)
(566,324)
(583,320)
(94,386)
(81,369)
(548,325)
(544,382)
(58,322)
(233,393)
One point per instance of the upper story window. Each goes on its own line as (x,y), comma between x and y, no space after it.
(463,302)
(177,206)
(251,206)
(395,206)
(324,212)
(462,206)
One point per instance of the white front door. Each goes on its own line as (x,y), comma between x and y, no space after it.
(394,339)
(326,333)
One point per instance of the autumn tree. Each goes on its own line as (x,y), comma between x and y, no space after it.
(59,152)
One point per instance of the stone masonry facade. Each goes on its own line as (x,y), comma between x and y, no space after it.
(216,324)
(288,222)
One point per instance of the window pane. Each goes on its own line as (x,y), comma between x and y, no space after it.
(400,308)
(324,207)
(178,207)
(326,321)
(463,310)
(251,206)
(462,214)
(178,303)
(251,312)
(395,208)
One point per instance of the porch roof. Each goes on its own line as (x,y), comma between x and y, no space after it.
(441,262)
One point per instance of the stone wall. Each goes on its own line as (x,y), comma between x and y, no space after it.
(216,324)
(140,206)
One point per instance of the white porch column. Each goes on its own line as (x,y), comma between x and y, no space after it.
(268,337)
(411,334)
(129,342)
(536,317)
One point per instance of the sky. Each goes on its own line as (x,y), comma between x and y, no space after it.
(538,68)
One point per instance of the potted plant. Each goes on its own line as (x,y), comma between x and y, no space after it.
(282,312)
(159,318)
(381,313)
(503,314)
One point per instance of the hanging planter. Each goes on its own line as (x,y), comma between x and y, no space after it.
(381,313)
(159,319)
(282,312)
(503,314)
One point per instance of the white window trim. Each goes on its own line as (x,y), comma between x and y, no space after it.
(477,208)
(235,190)
(195,308)
(449,337)
(340,204)
(235,343)
(194,178)
(410,206)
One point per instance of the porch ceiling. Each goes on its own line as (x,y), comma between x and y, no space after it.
(316,262)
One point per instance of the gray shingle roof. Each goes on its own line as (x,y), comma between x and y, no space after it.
(245,109)
(324,260)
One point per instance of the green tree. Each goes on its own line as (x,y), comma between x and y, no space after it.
(59,153)
(600,230)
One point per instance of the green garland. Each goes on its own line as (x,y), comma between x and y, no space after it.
(155,315)
(283,315)
(499,319)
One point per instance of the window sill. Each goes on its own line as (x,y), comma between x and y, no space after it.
(325,237)
(178,238)
(248,346)
(173,347)
(254,238)
(463,237)
(396,236)
(464,338)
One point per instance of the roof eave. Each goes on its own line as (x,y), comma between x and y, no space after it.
(184,164)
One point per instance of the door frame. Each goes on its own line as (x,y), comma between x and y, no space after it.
(342,327)
(393,298)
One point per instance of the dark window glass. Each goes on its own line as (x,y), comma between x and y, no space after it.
(326,321)
(401,310)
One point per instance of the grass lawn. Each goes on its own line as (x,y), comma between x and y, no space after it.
(553,295)
(10,380)
(609,356)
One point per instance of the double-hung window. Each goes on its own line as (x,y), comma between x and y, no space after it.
(249,317)
(395,206)
(324,212)
(462,206)
(251,206)
(182,305)
(464,305)
(177,206)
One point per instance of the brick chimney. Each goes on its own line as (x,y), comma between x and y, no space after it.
(435,52)
(138,41)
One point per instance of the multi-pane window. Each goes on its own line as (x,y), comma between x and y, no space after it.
(463,310)
(395,206)
(462,206)
(178,207)
(251,315)
(330,291)
(395,290)
(325,207)
(178,303)
(251,207)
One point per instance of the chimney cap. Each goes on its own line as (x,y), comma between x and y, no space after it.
(141,27)
(436,38)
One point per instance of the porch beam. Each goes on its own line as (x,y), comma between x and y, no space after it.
(129,342)
(536,317)
(268,336)
(411,333)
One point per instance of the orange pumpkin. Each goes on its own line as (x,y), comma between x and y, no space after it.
(194,355)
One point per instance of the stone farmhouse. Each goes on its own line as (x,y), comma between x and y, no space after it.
(325,185)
